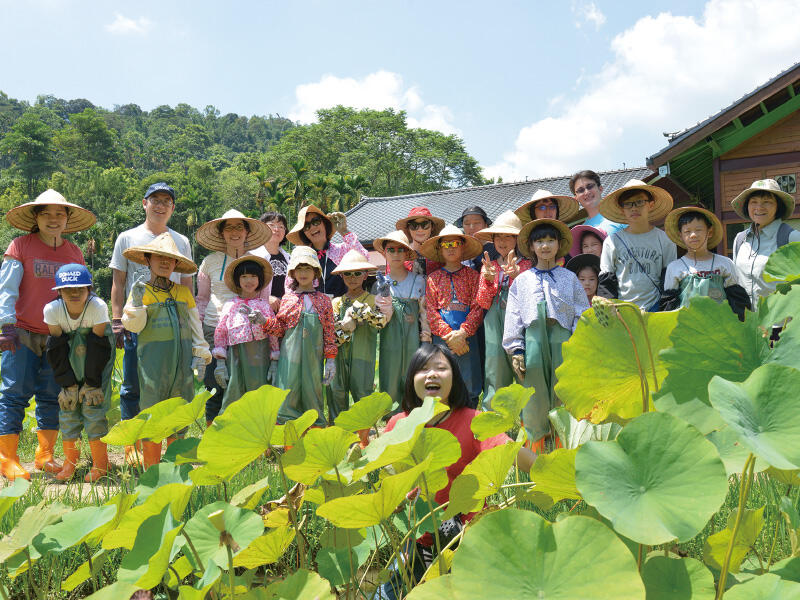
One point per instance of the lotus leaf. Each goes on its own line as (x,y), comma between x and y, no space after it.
(597,385)
(364,413)
(178,571)
(300,585)
(792,518)
(82,573)
(694,411)
(174,495)
(148,560)
(244,526)
(660,480)
(677,579)
(717,544)
(443,448)
(784,263)
(160,475)
(294,429)
(182,451)
(74,528)
(507,404)
(115,591)
(12,493)
(783,308)
(764,411)
(574,432)
(554,474)
(334,563)
(265,549)
(785,477)
(317,453)
(732,452)
(577,557)
(765,587)
(159,421)
(249,497)
(30,525)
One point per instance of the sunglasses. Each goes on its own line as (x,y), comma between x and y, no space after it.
(414,225)
(312,223)
(587,188)
(395,250)
(451,244)
(634,203)
(353,274)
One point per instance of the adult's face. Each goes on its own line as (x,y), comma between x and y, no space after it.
(52,220)
(761,208)
(278,231)
(472,224)
(314,229)
(234,233)
(545,209)
(158,208)
(588,193)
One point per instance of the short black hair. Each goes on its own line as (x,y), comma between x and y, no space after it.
(539,232)
(780,210)
(593,267)
(249,267)
(221,225)
(37,209)
(270,216)
(628,194)
(459,396)
(585,174)
(690,216)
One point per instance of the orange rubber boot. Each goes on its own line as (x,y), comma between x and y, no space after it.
(171,439)
(9,461)
(133,454)
(152,453)
(363,436)
(72,454)
(99,461)
(43,459)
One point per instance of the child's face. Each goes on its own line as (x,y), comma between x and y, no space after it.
(395,253)
(52,220)
(75,295)
(248,283)
(637,208)
(504,243)
(234,233)
(591,244)
(354,280)
(451,248)
(304,275)
(435,378)
(695,235)
(162,266)
(762,208)
(545,248)
(420,230)
(588,279)
(472,224)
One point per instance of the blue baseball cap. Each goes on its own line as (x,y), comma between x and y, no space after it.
(160,187)
(72,275)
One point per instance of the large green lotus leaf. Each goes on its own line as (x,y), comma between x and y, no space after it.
(123,503)
(115,591)
(481,478)
(677,579)
(554,474)
(783,264)
(576,557)
(733,453)
(241,434)
(660,480)
(507,403)
(694,411)
(243,525)
(148,559)
(574,432)
(764,411)
(12,493)
(300,585)
(717,544)
(599,376)
(266,549)
(777,308)
(788,568)
(182,451)
(318,452)
(157,422)
(334,563)
(30,524)
(443,448)
(83,572)
(363,510)
(765,587)
(364,413)
(174,495)
(160,475)
(293,428)
(74,528)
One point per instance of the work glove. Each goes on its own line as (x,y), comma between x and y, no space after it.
(68,398)
(9,338)
(384,304)
(339,221)
(221,374)
(348,322)
(137,289)
(329,372)
(518,364)
(91,396)
(255,316)
(199,367)
(119,333)
(272,373)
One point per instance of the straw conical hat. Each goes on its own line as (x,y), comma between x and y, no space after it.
(304,255)
(163,245)
(662,202)
(564,243)
(398,237)
(672,231)
(262,262)
(208,234)
(430,249)
(761,186)
(354,261)
(294,234)
(568,207)
(22,216)
(508,223)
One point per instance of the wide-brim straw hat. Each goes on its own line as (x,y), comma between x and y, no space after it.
(662,202)
(430,249)
(568,207)
(564,244)
(761,186)
(398,237)
(262,262)
(304,255)
(354,261)
(421,212)
(294,233)
(163,245)
(208,234)
(576,263)
(22,216)
(507,223)
(577,237)
(674,233)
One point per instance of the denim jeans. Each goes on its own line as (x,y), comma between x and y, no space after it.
(129,390)
(213,404)
(25,375)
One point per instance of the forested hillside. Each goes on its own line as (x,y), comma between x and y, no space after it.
(105,159)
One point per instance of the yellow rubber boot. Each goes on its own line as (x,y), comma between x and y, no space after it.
(72,454)
(44,460)
(133,454)
(99,461)
(152,453)
(9,461)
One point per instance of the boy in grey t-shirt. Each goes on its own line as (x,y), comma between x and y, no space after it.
(633,260)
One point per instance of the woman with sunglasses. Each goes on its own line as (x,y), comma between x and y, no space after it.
(419,226)
(315,229)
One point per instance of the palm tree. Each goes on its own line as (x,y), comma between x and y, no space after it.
(358,185)
(341,185)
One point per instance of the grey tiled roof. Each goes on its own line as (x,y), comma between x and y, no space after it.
(373,217)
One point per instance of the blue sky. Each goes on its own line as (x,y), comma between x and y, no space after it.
(534,88)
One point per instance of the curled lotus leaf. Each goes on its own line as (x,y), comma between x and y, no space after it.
(574,432)
(364,413)
(317,454)
(507,403)
(244,526)
(717,544)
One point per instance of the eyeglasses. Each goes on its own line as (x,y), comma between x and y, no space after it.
(451,244)
(414,225)
(545,205)
(634,204)
(312,223)
(160,201)
(353,274)
(234,228)
(587,188)
(393,250)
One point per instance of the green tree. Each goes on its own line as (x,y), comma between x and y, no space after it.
(29,143)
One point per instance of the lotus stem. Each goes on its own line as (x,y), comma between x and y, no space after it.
(91,568)
(433,520)
(774,540)
(649,348)
(231,580)
(301,550)
(197,558)
(639,558)
(353,574)
(744,489)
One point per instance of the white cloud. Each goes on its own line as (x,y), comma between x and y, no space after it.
(587,12)
(122,25)
(667,73)
(379,90)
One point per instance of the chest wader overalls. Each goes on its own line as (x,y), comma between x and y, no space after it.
(499,372)
(248,364)
(300,369)
(694,284)
(399,340)
(355,366)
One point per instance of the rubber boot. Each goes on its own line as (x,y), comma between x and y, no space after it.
(99,461)
(133,454)
(72,454)
(9,461)
(363,436)
(152,453)
(171,439)
(209,424)
(43,459)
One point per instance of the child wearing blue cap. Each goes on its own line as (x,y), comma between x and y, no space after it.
(79,352)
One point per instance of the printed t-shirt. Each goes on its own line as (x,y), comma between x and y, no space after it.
(96,312)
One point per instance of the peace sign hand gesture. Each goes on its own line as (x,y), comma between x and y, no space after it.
(511,268)
(489,269)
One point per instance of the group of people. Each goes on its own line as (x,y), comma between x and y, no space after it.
(489,301)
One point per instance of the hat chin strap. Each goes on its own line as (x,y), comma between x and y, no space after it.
(162,283)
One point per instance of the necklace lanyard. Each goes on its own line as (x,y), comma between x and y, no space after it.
(66,313)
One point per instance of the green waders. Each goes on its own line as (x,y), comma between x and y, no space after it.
(712,286)
(499,372)
(300,369)
(399,341)
(247,364)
